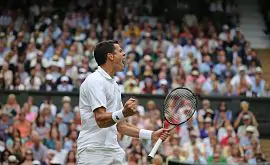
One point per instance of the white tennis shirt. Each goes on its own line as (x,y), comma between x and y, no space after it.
(99,89)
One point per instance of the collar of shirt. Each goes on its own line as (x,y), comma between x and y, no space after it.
(104,73)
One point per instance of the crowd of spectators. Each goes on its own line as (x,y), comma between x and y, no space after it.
(42,133)
(48,51)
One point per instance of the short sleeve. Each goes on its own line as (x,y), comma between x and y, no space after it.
(96,94)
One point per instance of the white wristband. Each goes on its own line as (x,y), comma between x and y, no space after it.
(117,116)
(145,134)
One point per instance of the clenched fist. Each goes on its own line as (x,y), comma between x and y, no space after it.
(130,107)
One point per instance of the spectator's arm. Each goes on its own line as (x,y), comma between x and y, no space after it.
(241,151)
(253,119)
(238,119)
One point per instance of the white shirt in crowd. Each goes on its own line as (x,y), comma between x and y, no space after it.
(64,87)
(35,85)
(236,80)
(172,50)
(98,90)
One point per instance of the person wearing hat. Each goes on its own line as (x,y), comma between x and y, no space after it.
(12,160)
(163,87)
(64,86)
(245,141)
(131,86)
(71,70)
(241,131)
(49,84)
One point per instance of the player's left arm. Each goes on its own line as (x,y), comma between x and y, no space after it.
(128,129)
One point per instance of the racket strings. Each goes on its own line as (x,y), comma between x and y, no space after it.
(179,106)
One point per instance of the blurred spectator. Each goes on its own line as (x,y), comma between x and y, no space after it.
(39,150)
(245,110)
(41,127)
(231,136)
(241,131)
(235,157)
(7,75)
(205,106)
(217,158)
(48,85)
(245,141)
(12,107)
(12,160)
(64,86)
(195,149)
(23,125)
(4,157)
(222,114)
(71,158)
(28,158)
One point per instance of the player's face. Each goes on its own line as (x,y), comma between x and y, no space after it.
(119,58)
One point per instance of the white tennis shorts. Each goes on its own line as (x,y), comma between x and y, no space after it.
(93,156)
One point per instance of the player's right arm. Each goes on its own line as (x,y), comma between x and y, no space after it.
(105,119)
(93,94)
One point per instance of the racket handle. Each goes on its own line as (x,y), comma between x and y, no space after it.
(155,148)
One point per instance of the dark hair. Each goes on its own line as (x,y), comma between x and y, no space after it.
(37,122)
(3,155)
(102,49)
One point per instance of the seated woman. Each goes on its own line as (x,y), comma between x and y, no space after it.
(222,114)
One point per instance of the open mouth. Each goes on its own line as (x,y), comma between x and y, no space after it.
(123,61)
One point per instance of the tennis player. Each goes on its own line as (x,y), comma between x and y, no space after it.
(103,114)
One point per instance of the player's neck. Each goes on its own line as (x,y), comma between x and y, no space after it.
(108,70)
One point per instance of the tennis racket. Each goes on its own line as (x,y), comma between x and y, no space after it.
(179,106)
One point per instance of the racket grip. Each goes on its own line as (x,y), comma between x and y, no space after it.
(155,148)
